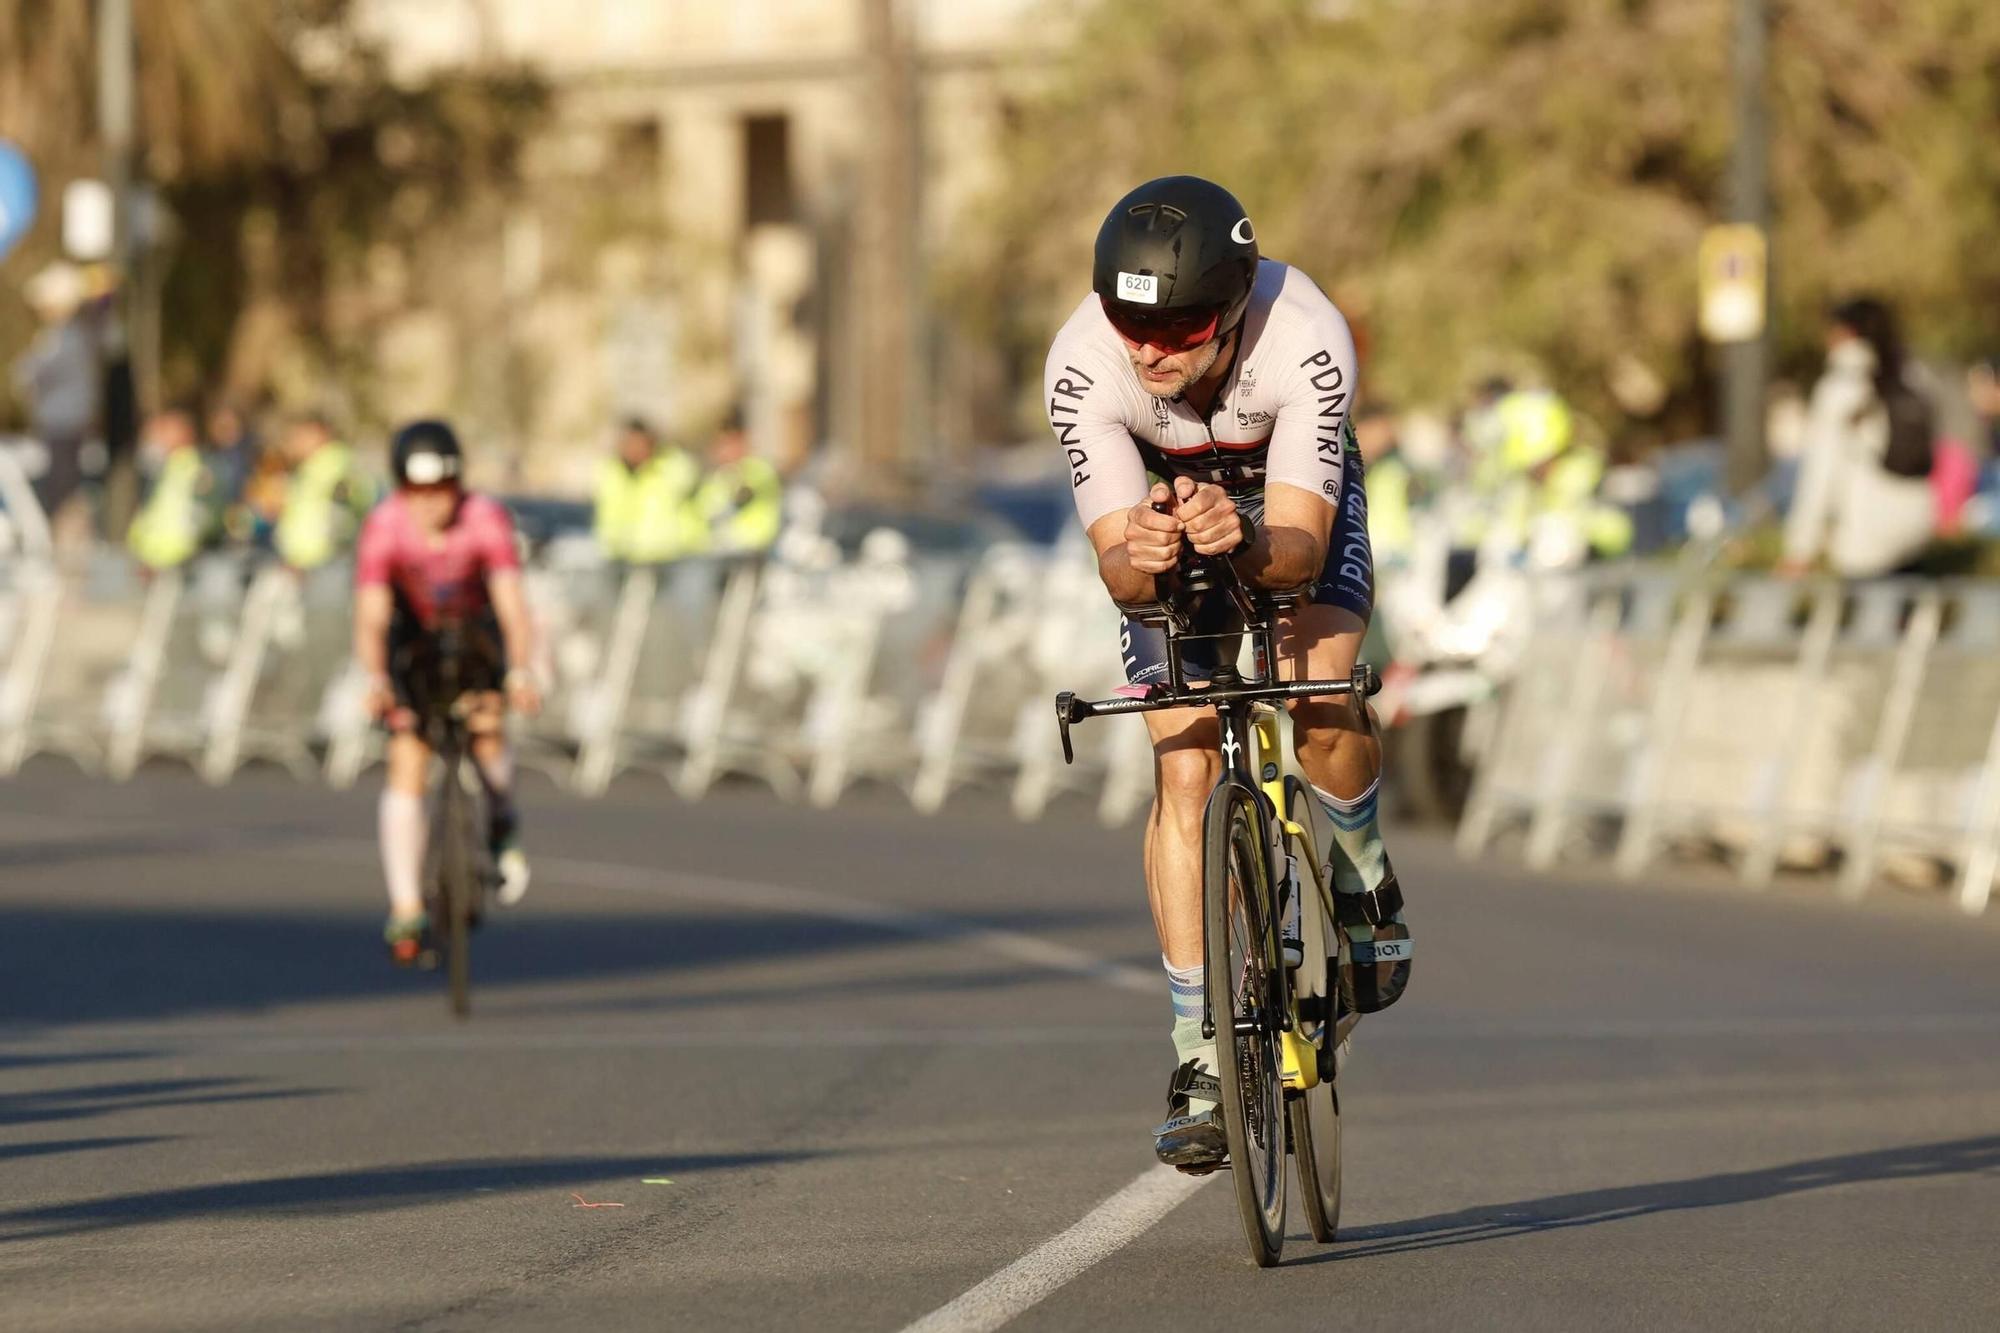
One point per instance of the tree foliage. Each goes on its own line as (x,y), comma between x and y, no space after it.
(1480,182)
(279,140)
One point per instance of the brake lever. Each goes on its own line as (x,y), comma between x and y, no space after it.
(1067,712)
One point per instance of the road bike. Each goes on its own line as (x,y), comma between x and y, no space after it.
(1281,1032)
(458,870)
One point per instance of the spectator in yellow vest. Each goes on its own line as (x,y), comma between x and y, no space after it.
(1391,530)
(741,500)
(326,496)
(643,497)
(176,517)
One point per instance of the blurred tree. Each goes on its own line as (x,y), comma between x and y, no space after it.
(1477,181)
(287,151)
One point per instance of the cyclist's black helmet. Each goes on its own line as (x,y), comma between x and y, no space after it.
(1177,245)
(425,453)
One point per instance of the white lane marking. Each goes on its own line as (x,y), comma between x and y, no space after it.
(1012,944)
(1106,1229)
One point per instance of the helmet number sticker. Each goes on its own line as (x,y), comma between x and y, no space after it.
(1139,288)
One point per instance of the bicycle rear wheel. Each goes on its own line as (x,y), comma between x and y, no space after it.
(1243,983)
(1315,1112)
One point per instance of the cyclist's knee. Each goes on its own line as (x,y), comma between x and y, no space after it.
(1187,776)
(408,763)
(1333,730)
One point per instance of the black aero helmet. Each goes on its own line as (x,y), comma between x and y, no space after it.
(1172,253)
(426,453)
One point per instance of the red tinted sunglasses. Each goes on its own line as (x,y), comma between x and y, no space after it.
(1182,331)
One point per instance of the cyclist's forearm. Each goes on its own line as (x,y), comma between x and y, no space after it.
(372,609)
(1282,557)
(1124,583)
(510,608)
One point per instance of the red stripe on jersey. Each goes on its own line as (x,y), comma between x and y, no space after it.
(1206,446)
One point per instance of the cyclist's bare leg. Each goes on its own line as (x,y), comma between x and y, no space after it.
(493,760)
(1338,749)
(1341,753)
(1186,763)
(485,719)
(404,829)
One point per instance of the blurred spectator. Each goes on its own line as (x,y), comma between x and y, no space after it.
(741,500)
(58,378)
(644,500)
(233,448)
(1982,386)
(1538,475)
(326,496)
(178,511)
(1850,506)
(1391,531)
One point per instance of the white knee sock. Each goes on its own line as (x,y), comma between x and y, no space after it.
(1356,860)
(401,821)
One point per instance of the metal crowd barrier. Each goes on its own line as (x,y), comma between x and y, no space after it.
(1806,725)
(1845,728)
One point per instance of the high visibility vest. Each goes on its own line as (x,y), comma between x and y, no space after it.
(741,505)
(315,526)
(167,530)
(1535,426)
(1390,530)
(642,516)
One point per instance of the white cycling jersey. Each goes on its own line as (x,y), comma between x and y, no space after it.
(1281,414)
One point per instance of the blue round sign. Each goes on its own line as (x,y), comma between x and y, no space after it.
(17,197)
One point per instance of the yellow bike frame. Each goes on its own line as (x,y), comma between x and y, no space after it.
(1301,1057)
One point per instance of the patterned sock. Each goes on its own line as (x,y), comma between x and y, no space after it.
(1185,985)
(1356,860)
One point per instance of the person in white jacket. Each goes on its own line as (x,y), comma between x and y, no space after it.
(1866,520)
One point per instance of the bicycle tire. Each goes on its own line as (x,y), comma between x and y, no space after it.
(455,884)
(1241,954)
(1314,1113)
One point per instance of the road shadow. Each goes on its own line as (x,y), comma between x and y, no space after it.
(369,1190)
(43,1105)
(149,963)
(1590,1208)
(56,1147)
(12,1060)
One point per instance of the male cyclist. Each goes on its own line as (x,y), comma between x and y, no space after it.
(1201,397)
(434,555)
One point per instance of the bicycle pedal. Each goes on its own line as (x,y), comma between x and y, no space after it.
(1207,1169)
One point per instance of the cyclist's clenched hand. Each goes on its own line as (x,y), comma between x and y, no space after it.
(1152,539)
(1213,525)
(524,693)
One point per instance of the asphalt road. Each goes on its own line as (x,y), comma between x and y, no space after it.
(738,1065)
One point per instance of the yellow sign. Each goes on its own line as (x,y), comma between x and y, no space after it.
(1733,260)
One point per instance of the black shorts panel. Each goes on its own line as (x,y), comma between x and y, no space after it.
(417,665)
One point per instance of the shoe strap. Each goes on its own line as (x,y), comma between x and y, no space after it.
(1370,908)
(1190,1080)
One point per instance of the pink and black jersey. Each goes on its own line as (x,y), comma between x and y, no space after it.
(441,576)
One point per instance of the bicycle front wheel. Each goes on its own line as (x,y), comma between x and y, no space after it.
(1244,984)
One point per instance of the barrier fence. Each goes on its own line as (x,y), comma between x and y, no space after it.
(1846,729)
